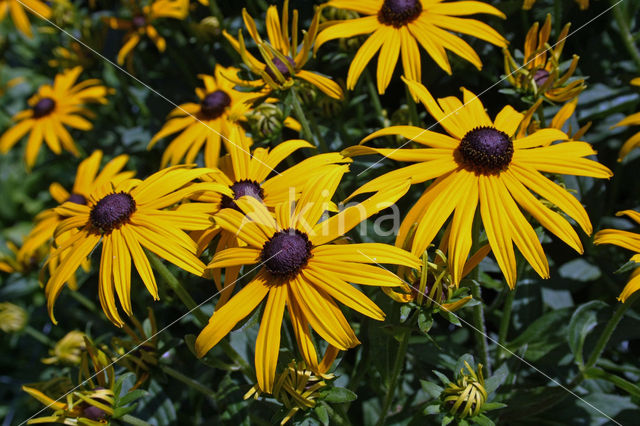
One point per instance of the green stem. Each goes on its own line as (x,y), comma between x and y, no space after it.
(413,111)
(188,381)
(608,330)
(478,310)
(480,326)
(297,109)
(627,39)
(39,336)
(84,301)
(504,322)
(397,368)
(177,287)
(129,419)
(375,98)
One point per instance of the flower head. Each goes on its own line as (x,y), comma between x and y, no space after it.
(68,350)
(297,387)
(283,59)
(221,108)
(484,163)
(628,240)
(540,74)
(398,26)
(633,119)
(252,173)
(50,110)
(300,269)
(126,217)
(466,396)
(17,10)
(141,23)
(12,317)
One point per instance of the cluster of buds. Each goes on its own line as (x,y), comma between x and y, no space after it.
(296,387)
(540,75)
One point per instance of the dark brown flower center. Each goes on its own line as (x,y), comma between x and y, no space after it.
(77,198)
(281,67)
(94,413)
(486,150)
(44,107)
(138,21)
(214,104)
(241,188)
(286,253)
(112,211)
(541,77)
(398,13)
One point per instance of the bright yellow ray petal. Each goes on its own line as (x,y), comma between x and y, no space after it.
(460,240)
(325,84)
(300,327)
(387,59)
(237,224)
(367,253)
(224,319)
(364,55)
(140,260)
(323,314)
(416,134)
(268,341)
(122,271)
(508,120)
(344,29)
(343,292)
(235,256)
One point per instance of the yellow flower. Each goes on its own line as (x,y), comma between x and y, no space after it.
(481,163)
(399,25)
(141,24)
(247,173)
(466,396)
(67,350)
(87,180)
(628,240)
(91,403)
(19,261)
(221,108)
(127,217)
(528,125)
(297,387)
(283,58)
(12,317)
(540,74)
(300,269)
(633,119)
(528,4)
(18,15)
(50,110)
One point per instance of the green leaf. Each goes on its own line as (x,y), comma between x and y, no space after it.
(425,323)
(432,409)
(497,379)
(629,266)
(337,395)
(548,324)
(322,413)
(431,389)
(131,396)
(625,385)
(583,320)
(489,406)
(482,420)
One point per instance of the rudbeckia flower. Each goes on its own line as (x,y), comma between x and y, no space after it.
(141,24)
(528,4)
(631,120)
(87,180)
(248,173)
(628,240)
(283,58)
(399,25)
(50,110)
(127,217)
(18,15)
(540,75)
(220,109)
(300,269)
(481,163)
